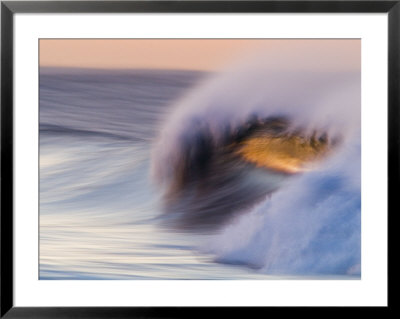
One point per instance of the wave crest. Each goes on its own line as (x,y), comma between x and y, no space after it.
(301,223)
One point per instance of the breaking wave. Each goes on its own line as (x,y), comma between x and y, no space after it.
(267,157)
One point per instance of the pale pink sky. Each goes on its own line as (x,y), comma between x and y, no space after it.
(195,54)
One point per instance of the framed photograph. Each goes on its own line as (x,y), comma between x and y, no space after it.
(160,158)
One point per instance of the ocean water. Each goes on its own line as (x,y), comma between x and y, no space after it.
(100,204)
(97,203)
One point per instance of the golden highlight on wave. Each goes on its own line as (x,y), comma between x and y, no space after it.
(288,153)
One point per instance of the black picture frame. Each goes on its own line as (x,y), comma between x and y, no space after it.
(9,8)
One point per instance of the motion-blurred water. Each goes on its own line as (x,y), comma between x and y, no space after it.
(97,203)
(99,208)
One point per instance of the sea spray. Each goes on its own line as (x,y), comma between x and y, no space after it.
(308,223)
